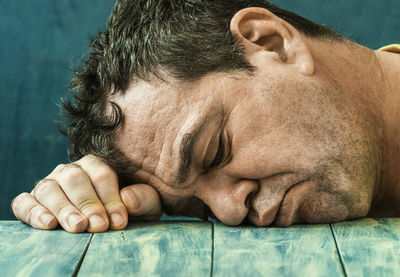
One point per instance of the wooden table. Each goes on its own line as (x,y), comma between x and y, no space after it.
(368,247)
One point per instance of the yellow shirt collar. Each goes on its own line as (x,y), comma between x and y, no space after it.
(395,48)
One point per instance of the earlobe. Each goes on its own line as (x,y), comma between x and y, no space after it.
(259,30)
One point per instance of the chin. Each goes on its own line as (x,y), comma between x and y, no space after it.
(324,208)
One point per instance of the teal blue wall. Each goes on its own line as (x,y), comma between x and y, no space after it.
(372,23)
(41,40)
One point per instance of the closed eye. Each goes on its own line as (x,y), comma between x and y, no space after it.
(219,155)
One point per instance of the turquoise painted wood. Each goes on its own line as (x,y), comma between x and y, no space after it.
(293,251)
(369,247)
(29,252)
(151,249)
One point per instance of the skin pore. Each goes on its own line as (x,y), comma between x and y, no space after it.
(310,136)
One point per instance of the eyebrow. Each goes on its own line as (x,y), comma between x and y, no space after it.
(186,149)
(185,157)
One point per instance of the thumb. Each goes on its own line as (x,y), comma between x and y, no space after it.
(142,202)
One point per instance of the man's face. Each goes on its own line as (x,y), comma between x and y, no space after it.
(272,147)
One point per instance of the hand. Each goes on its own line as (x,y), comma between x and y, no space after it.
(84,196)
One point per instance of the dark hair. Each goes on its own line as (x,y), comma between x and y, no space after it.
(185,38)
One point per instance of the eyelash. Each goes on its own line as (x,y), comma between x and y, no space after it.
(219,155)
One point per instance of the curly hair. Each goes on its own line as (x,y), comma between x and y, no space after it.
(187,38)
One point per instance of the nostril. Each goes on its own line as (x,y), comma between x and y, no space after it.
(229,202)
(251,195)
(248,199)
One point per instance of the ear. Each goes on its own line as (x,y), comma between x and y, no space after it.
(260,31)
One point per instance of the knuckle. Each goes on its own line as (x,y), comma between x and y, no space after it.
(17,203)
(63,211)
(17,200)
(71,173)
(36,211)
(89,157)
(58,169)
(70,167)
(43,186)
(103,174)
(114,205)
(87,205)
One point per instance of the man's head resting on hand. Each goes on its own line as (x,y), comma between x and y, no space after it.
(231,107)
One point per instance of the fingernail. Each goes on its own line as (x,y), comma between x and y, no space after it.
(96,221)
(117,219)
(74,220)
(46,218)
(133,199)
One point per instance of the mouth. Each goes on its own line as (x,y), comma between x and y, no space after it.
(279,207)
(263,218)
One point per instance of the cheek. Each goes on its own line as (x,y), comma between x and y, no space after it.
(322,207)
(295,142)
(326,207)
(278,152)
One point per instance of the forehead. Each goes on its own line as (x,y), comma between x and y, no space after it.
(157,116)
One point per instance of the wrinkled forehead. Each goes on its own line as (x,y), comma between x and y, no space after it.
(156,117)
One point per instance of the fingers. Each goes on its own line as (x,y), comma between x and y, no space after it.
(142,202)
(76,185)
(49,194)
(105,183)
(28,210)
(84,196)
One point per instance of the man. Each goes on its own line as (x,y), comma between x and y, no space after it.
(233,108)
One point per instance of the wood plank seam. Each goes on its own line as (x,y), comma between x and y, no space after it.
(212,249)
(369,246)
(338,251)
(78,267)
(151,249)
(299,250)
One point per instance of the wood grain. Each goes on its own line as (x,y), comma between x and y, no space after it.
(272,251)
(151,249)
(30,252)
(369,247)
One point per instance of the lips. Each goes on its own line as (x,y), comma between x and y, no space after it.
(261,211)
(284,216)
(263,218)
(288,211)
(283,211)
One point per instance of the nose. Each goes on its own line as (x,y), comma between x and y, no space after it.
(229,202)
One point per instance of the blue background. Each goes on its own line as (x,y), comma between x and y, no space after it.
(41,40)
